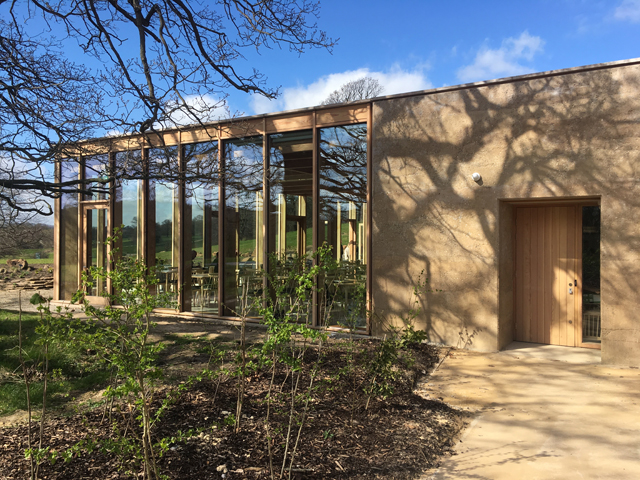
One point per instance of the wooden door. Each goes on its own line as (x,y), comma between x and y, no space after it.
(548,250)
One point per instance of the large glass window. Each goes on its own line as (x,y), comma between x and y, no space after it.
(68,244)
(291,206)
(209,245)
(243,225)
(291,194)
(201,227)
(343,220)
(128,207)
(163,238)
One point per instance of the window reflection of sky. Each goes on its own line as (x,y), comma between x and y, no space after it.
(163,160)
(243,170)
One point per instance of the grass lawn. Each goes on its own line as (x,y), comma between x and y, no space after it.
(30,261)
(29,255)
(77,374)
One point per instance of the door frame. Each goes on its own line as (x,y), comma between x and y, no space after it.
(554,202)
(84,246)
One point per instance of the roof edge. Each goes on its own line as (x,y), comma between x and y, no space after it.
(431,91)
(503,80)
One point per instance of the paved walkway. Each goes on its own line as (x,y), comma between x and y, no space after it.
(543,412)
(9,299)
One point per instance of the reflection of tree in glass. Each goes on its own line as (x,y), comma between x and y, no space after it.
(197,224)
(97,166)
(202,167)
(163,164)
(129,237)
(343,166)
(129,165)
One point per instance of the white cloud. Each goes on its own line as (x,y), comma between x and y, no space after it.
(504,61)
(628,10)
(394,81)
(206,107)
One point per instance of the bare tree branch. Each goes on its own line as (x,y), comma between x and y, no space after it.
(156,61)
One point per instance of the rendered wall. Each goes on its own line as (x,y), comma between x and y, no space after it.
(563,136)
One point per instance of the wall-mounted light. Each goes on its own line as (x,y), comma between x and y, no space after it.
(476,177)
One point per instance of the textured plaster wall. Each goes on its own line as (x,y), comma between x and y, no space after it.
(572,135)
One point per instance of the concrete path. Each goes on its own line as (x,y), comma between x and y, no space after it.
(9,299)
(543,412)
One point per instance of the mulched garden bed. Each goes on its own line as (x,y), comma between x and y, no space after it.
(399,437)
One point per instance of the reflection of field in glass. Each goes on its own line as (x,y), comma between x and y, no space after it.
(247,247)
(129,246)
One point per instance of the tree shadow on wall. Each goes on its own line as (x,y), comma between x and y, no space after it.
(549,137)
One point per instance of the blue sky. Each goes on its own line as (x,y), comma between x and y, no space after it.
(413,45)
(416,45)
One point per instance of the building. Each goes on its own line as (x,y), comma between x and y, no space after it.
(541,245)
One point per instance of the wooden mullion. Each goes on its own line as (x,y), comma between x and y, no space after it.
(57,216)
(222,208)
(144,224)
(81,237)
(315,200)
(111,222)
(266,205)
(369,238)
(185,291)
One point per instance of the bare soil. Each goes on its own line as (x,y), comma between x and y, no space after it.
(398,437)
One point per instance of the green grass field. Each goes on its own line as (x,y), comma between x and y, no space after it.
(77,374)
(30,256)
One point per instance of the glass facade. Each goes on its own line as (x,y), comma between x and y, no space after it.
(163,234)
(243,225)
(128,207)
(201,241)
(209,215)
(291,210)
